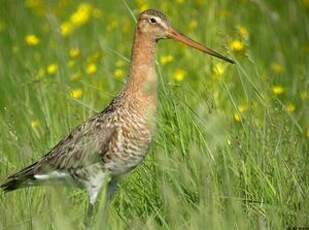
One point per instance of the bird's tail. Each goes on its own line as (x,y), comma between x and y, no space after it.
(20,179)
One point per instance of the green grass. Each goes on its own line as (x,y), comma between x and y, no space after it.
(205,170)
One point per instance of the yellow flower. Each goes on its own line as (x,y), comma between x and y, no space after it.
(179,75)
(243,107)
(82,15)
(276,68)
(74,53)
(76,93)
(237,46)
(290,108)
(218,69)
(34,124)
(66,28)
(166,59)
(119,73)
(180,1)
(52,69)
(91,68)
(277,90)
(237,117)
(32,40)
(243,32)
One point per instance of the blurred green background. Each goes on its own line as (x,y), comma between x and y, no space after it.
(231,151)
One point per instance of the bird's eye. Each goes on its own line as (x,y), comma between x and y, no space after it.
(152,20)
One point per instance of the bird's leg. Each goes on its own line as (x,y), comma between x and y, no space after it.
(111,188)
(93,192)
(89,217)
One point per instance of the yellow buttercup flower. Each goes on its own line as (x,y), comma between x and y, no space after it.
(218,69)
(277,90)
(32,40)
(74,53)
(119,73)
(237,117)
(76,93)
(243,32)
(91,68)
(34,124)
(82,15)
(66,28)
(237,46)
(179,75)
(290,108)
(52,69)
(276,68)
(166,59)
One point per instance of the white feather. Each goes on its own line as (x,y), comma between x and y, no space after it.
(52,175)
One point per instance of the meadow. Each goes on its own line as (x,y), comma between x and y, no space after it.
(231,149)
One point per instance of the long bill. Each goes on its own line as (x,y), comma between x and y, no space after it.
(189,42)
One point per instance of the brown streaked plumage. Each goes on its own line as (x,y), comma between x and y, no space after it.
(114,141)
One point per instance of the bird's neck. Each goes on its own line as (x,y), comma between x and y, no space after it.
(142,82)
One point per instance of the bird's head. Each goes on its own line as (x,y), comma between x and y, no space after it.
(154,24)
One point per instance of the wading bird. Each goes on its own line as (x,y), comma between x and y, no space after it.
(114,141)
